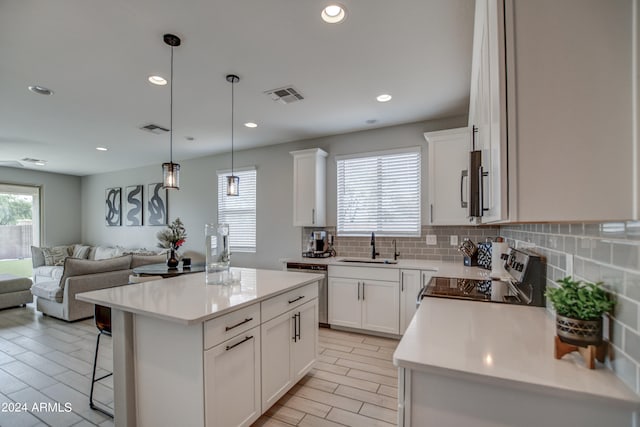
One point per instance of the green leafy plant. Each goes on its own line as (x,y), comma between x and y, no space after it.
(580,300)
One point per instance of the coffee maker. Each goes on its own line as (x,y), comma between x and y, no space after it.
(320,245)
(319,242)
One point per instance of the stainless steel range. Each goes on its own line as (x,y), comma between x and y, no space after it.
(524,286)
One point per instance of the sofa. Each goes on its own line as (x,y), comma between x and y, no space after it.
(56,285)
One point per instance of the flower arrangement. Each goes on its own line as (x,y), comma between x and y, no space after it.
(173,236)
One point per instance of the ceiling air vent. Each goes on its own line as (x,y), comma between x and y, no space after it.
(31,160)
(285,95)
(158,130)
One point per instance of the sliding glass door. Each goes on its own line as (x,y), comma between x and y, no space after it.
(19,227)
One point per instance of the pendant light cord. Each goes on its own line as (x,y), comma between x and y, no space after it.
(171,112)
(232,109)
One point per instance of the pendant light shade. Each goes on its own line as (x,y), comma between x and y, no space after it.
(171,171)
(233,182)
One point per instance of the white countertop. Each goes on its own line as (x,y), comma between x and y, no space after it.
(188,299)
(502,344)
(443,268)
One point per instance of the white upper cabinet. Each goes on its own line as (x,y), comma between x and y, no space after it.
(487,109)
(309,187)
(570,87)
(448,171)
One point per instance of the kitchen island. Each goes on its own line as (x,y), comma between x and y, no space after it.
(188,353)
(487,365)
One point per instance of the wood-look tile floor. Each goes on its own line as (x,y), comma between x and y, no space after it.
(47,361)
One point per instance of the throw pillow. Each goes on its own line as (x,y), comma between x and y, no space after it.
(55,255)
(103,252)
(37,257)
(80,251)
(79,267)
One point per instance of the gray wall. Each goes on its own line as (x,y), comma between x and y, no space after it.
(61,207)
(195,203)
(607,252)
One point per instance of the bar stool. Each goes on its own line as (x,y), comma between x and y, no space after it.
(103,323)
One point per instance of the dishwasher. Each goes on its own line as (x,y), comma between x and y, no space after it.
(323,288)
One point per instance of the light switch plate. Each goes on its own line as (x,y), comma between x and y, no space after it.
(453,240)
(432,239)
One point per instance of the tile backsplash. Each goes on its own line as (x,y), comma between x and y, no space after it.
(607,252)
(409,247)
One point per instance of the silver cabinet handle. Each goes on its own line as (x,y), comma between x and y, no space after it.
(313,216)
(431,212)
(464,174)
(402,281)
(362,291)
(299,328)
(229,347)
(481,175)
(358,291)
(295,327)
(228,328)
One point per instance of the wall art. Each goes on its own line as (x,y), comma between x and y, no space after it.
(133,199)
(113,207)
(157,204)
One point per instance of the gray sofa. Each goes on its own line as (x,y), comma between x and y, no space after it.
(56,296)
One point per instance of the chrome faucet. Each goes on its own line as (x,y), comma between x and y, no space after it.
(373,246)
(396,254)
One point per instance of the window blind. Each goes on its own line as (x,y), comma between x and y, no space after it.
(239,211)
(379,193)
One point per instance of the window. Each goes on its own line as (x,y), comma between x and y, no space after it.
(239,211)
(379,192)
(19,227)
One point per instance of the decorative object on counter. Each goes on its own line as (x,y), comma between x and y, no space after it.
(579,309)
(218,256)
(499,251)
(172,238)
(233,182)
(171,171)
(186,262)
(469,251)
(484,253)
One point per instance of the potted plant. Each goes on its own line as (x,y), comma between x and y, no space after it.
(172,238)
(579,308)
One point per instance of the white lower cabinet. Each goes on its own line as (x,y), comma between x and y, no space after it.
(364,303)
(289,348)
(411,282)
(232,381)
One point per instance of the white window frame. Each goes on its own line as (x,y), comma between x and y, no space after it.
(378,186)
(249,244)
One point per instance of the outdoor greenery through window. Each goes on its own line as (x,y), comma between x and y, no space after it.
(239,211)
(379,192)
(19,227)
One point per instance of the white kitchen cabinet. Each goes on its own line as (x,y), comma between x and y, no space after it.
(359,301)
(554,101)
(289,348)
(309,187)
(411,282)
(232,381)
(487,108)
(448,173)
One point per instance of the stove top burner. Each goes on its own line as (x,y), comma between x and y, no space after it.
(476,290)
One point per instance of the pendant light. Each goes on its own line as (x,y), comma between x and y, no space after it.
(233,182)
(171,171)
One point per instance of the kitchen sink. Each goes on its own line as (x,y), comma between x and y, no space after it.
(368,261)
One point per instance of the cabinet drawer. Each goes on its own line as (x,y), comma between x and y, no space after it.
(388,274)
(228,326)
(278,305)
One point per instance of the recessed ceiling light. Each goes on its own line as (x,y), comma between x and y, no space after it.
(40,163)
(40,90)
(189,138)
(371,121)
(157,80)
(251,125)
(333,14)
(101,149)
(385,97)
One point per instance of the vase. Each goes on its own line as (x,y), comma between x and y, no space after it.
(172,260)
(579,332)
(217,252)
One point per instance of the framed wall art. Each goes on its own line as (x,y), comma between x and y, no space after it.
(156,204)
(113,207)
(133,203)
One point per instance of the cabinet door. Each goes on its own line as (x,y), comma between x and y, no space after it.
(232,381)
(409,288)
(277,335)
(344,302)
(309,174)
(380,306)
(305,345)
(448,176)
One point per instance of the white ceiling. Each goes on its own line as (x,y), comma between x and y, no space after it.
(96,57)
